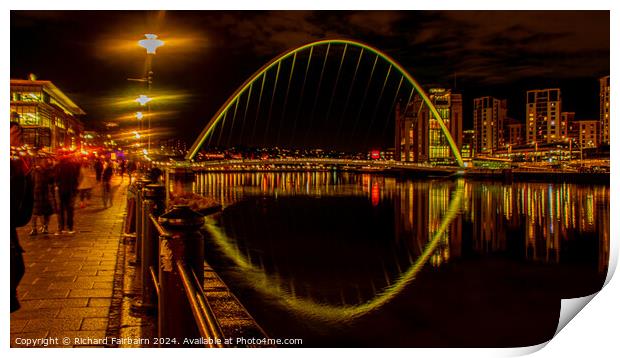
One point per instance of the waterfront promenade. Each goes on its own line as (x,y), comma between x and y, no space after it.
(67,290)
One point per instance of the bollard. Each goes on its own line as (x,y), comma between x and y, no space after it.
(153,196)
(181,242)
(138,244)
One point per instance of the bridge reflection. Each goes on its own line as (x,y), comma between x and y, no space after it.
(434,223)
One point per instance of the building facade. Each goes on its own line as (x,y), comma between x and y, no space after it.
(489,116)
(604,110)
(50,119)
(419,137)
(588,133)
(572,127)
(468,150)
(513,133)
(542,120)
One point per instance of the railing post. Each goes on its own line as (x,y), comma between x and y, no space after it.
(182,242)
(130,218)
(152,203)
(139,218)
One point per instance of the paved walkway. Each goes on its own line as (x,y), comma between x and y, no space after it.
(67,289)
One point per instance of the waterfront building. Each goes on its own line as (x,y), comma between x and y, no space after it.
(489,116)
(543,110)
(468,149)
(419,137)
(588,133)
(513,133)
(604,110)
(49,117)
(572,127)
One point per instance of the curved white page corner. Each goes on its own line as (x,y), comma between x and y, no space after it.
(570,308)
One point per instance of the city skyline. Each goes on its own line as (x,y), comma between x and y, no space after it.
(231,55)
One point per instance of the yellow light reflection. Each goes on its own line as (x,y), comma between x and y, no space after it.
(258,279)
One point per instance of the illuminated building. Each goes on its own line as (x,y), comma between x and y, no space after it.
(49,118)
(467,149)
(588,133)
(543,110)
(571,130)
(604,110)
(489,116)
(513,132)
(418,135)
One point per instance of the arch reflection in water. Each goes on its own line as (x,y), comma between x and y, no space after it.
(276,229)
(260,280)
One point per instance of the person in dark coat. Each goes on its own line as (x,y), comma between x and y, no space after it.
(44,195)
(106,178)
(98,170)
(67,179)
(131,168)
(22,198)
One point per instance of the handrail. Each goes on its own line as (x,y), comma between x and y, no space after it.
(160,229)
(207,324)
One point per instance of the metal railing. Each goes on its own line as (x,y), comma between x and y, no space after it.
(169,263)
(203,314)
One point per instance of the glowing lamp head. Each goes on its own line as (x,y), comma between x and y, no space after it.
(151,43)
(139,115)
(143,99)
(137,135)
(145,152)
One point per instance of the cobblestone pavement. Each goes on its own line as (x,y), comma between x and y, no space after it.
(66,292)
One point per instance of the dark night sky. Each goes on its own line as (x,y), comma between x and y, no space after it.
(90,54)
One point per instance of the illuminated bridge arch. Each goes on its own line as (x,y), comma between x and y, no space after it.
(234,98)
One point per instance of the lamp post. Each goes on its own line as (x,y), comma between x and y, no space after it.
(143,100)
(150,43)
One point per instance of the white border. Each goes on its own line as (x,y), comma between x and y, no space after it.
(592,332)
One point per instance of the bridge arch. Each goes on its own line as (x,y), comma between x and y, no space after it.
(292,52)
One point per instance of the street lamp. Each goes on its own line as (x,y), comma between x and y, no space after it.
(139,115)
(143,100)
(151,43)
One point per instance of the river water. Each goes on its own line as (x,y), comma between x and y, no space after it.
(364,260)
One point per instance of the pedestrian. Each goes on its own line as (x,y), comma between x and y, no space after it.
(85,186)
(131,168)
(22,198)
(122,166)
(98,169)
(44,195)
(106,177)
(67,175)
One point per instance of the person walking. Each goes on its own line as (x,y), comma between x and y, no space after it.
(98,169)
(131,168)
(22,200)
(67,176)
(44,195)
(121,167)
(85,186)
(106,178)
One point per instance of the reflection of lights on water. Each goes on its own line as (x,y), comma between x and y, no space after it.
(258,279)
